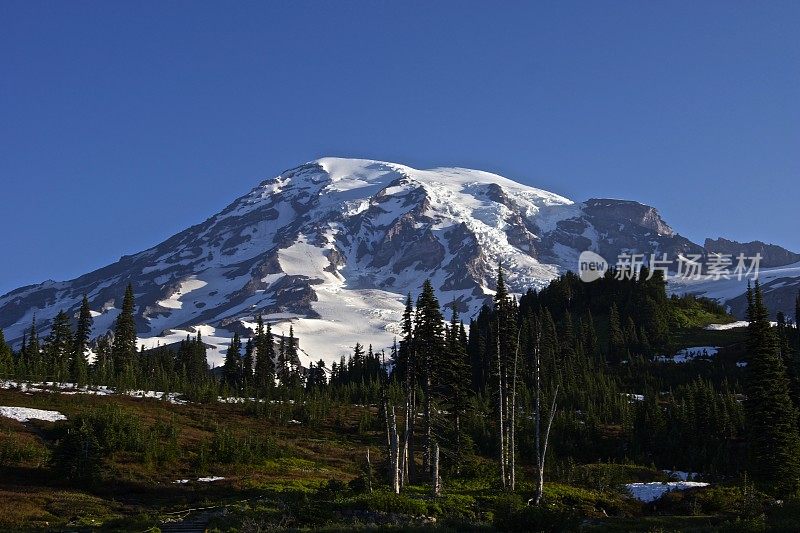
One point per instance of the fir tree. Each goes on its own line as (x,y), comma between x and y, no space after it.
(616,338)
(6,357)
(83,333)
(264,372)
(232,368)
(33,360)
(428,344)
(774,443)
(456,380)
(248,363)
(123,351)
(58,347)
(103,366)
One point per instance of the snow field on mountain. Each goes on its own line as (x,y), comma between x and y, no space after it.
(723,289)
(188,285)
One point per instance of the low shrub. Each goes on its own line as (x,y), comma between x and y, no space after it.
(17,450)
(227,448)
(387,502)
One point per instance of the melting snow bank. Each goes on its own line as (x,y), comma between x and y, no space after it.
(649,492)
(732,325)
(207,479)
(634,397)
(24,414)
(100,390)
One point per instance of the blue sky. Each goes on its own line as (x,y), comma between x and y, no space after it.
(122,123)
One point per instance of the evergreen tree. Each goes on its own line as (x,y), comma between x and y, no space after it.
(103,366)
(264,372)
(316,376)
(403,366)
(58,348)
(616,338)
(428,344)
(6,357)
(123,351)
(456,380)
(774,443)
(232,368)
(83,332)
(33,360)
(248,363)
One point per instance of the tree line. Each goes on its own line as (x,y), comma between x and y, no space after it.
(560,376)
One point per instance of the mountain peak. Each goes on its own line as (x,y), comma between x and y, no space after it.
(333,246)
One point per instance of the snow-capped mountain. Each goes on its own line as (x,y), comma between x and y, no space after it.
(334,245)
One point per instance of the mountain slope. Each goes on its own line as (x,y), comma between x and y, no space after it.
(334,245)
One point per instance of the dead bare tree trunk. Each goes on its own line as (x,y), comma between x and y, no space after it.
(369,473)
(500,403)
(541,446)
(412,467)
(394,466)
(405,452)
(540,482)
(385,405)
(458,445)
(512,440)
(407,468)
(437,482)
(427,451)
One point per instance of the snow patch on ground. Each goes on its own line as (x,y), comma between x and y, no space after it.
(100,390)
(649,492)
(690,354)
(25,414)
(634,397)
(731,325)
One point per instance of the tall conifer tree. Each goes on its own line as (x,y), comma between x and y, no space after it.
(124,348)
(58,347)
(6,357)
(232,368)
(264,372)
(83,333)
(774,443)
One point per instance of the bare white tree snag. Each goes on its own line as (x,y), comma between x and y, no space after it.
(543,455)
(411,410)
(437,481)
(369,473)
(500,404)
(385,406)
(512,441)
(428,445)
(394,466)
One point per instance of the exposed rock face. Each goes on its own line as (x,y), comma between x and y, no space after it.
(627,212)
(772,255)
(334,245)
(610,227)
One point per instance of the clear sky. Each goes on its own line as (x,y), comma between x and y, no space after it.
(122,123)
